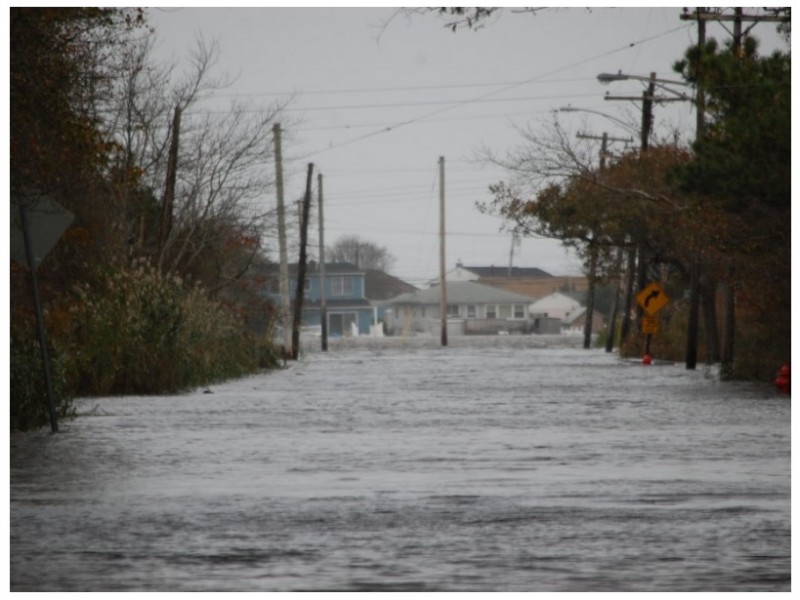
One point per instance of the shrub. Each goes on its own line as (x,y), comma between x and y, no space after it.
(138,332)
(29,405)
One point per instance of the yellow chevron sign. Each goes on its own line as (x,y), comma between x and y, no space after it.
(652,299)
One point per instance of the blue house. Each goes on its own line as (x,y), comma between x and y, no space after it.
(348,309)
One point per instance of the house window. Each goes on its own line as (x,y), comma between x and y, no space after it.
(341,286)
(470,311)
(452,310)
(491,311)
(519,311)
(505,311)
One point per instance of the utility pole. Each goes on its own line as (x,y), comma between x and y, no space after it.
(590,292)
(514,243)
(647,126)
(647,98)
(323,293)
(701,15)
(283,278)
(301,266)
(694,267)
(442,264)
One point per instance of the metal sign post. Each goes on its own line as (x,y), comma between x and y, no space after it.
(38,236)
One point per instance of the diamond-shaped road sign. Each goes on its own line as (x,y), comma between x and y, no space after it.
(47,222)
(652,299)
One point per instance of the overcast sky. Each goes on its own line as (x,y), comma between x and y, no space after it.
(377,97)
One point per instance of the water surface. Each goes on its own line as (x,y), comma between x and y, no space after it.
(490,465)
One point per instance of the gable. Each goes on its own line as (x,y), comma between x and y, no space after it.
(463,292)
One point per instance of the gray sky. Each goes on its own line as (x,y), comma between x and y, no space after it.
(378,97)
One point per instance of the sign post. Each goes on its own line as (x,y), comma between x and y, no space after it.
(33,234)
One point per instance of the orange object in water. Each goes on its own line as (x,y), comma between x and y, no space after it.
(783,380)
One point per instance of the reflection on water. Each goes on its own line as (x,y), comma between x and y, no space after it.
(487,466)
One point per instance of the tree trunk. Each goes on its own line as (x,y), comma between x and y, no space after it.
(708,296)
(728,326)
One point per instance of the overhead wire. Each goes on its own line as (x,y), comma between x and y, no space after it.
(489,94)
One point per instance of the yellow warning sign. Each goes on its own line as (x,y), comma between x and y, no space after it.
(649,325)
(652,299)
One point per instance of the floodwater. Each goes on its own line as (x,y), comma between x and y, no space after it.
(495,464)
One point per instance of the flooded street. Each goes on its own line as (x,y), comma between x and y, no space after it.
(490,465)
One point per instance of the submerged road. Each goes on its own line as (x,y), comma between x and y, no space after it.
(490,465)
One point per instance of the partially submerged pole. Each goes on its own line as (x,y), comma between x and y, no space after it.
(283,278)
(40,331)
(442,264)
(323,293)
(301,267)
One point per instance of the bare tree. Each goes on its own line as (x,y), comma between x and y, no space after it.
(221,166)
(362,253)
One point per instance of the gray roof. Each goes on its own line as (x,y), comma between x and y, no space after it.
(463,292)
(503,272)
(382,286)
(573,316)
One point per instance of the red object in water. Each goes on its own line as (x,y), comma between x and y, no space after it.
(647,359)
(784,379)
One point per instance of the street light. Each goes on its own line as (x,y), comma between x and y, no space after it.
(606,78)
(616,120)
(620,76)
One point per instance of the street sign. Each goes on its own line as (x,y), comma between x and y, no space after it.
(652,299)
(47,221)
(649,325)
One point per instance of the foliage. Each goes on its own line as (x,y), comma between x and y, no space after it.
(742,172)
(91,125)
(362,253)
(62,62)
(139,332)
(29,407)
(724,205)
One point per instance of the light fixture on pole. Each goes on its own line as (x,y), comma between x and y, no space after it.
(616,120)
(606,78)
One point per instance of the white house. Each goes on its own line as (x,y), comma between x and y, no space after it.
(471,308)
(554,306)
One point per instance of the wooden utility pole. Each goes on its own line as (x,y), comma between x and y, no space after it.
(590,292)
(647,126)
(301,266)
(647,98)
(283,277)
(612,318)
(169,186)
(442,263)
(695,267)
(323,292)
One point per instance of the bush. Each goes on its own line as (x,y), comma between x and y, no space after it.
(29,405)
(138,332)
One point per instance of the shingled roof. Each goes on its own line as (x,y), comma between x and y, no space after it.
(464,292)
(503,271)
(382,286)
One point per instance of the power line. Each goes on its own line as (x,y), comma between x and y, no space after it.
(375,106)
(492,93)
(394,89)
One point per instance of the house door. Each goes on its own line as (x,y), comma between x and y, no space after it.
(341,324)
